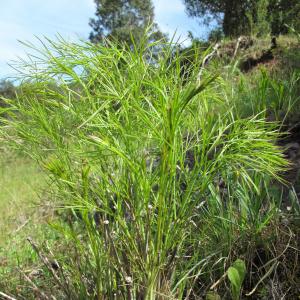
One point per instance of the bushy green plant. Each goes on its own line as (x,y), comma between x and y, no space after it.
(143,159)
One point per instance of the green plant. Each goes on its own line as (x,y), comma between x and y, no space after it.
(136,154)
(257,18)
(22,214)
(236,274)
(123,20)
(273,97)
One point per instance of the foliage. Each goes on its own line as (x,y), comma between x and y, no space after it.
(123,20)
(216,35)
(258,19)
(156,173)
(277,99)
(22,214)
(236,274)
(7,90)
(243,17)
(284,12)
(231,14)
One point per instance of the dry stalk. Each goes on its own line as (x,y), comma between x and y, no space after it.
(35,288)
(275,262)
(5,296)
(48,265)
(206,60)
(237,47)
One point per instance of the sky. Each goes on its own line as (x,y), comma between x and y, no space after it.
(25,19)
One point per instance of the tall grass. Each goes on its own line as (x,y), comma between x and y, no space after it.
(158,175)
(275,97)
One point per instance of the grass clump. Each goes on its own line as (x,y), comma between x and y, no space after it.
(158,178)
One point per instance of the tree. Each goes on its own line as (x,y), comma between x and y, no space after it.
(284,12)
(258,18)
(231,14)
(242,16)
(121,19)
(7,90)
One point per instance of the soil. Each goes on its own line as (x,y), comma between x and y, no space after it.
(251,62)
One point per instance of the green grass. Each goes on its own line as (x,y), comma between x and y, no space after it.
(20,181)
(162,181)
(25,211)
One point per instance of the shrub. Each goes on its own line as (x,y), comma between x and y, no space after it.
(152,166)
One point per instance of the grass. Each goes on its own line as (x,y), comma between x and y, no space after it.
(163,180)
(24,212)
(20,181)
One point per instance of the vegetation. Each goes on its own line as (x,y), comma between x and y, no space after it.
(123,20)
(238,17)
(133,168)
(168,182)
(24,212)
(7,90)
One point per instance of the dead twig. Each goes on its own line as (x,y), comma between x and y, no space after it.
(274,262)
(50,267)
(218,281)
(5,296)
(237,47)
(23,225)
(35,288)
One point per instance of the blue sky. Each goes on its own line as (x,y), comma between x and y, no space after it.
(22,20)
